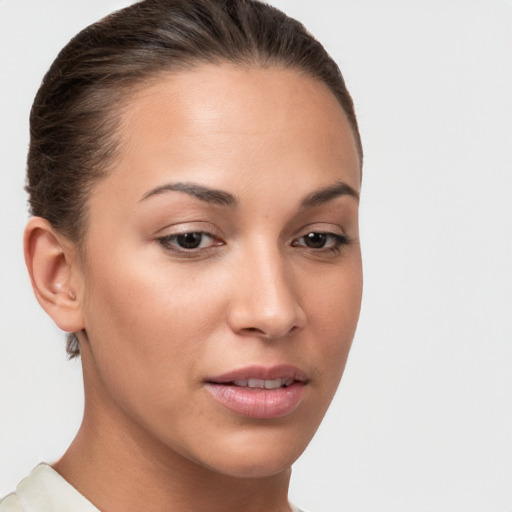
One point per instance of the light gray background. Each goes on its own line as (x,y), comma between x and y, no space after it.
(423,419)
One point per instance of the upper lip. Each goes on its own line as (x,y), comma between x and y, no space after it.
(281,371)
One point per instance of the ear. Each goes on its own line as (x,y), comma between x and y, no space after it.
(52,263)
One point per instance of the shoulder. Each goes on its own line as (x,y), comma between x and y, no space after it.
(45,490)
(10,503)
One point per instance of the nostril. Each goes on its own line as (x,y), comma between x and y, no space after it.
(253,330)
(268,335)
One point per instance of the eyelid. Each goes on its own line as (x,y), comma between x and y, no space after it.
(167,238)
(171,246)
(167,241)
(181,228)
(320,227)
(337,238)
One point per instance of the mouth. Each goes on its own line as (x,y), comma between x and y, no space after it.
(263,383)
(260,392)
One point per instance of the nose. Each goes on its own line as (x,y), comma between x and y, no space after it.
(266,303)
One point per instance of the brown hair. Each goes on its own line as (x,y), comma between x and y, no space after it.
(76,111)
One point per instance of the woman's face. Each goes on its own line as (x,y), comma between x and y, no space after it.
(221,283)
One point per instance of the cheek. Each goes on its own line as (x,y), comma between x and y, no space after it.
(148,330)
(129,297)
(333,299)
(333,312)
(145,323)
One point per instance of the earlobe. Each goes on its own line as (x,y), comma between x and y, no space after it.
(51,262)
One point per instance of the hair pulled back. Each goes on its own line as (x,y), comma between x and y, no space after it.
(76,112)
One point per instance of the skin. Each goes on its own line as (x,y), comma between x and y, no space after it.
(161,319)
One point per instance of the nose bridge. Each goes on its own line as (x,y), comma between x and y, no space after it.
(267,303)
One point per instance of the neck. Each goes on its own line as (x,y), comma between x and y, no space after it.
(119,468)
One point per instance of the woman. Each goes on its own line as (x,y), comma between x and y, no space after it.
(212,304)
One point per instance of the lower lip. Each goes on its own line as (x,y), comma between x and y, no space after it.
(257,402)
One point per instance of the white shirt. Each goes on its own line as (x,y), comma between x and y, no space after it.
(44,490)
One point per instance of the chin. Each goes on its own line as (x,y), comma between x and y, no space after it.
(251,467)
(257,454)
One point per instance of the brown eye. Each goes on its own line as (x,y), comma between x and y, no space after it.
(193,240)
(315,240)
(319,240)
(189,240)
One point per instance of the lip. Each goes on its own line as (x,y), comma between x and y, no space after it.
(258,402)
(281,371)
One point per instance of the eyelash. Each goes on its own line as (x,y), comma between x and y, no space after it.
(338,240)
(170,242)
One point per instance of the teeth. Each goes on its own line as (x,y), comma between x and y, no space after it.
(256,383)
(263,384)
(272,384)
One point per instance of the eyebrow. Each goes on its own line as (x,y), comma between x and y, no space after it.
(222,198)
(323,195)
(206,194)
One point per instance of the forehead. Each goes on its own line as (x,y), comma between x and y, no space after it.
(220,119)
